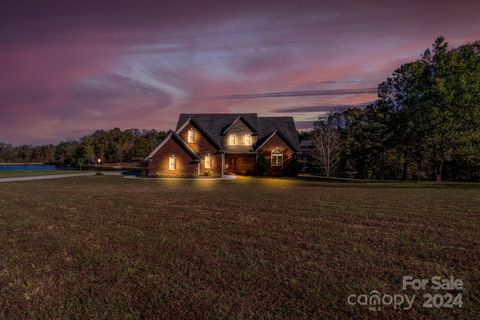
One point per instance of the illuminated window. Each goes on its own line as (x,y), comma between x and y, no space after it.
(191,135)
(172,163)
(277,158)
(233,140)
(248,140)
(208,162)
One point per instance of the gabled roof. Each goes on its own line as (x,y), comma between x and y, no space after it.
(260,143)
(215,124)
(202,130)
(179,140)
(285,127)
(239,118)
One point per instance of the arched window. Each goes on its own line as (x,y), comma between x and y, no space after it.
(277,158)
(233,140)
(172,163)
(191,135)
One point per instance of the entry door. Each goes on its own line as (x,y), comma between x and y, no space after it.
(232,164)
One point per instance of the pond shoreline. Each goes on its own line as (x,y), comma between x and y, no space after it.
(24,163)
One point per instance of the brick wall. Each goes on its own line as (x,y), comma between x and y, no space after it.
(203,147)
(267,149)
(240,130)
(159,164)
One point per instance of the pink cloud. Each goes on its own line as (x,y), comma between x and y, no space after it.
(68,70)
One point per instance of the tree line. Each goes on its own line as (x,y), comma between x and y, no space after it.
(111,146)
(425,123)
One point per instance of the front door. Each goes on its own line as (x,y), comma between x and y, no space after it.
(232,164)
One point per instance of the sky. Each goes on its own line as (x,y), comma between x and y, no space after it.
(68,68)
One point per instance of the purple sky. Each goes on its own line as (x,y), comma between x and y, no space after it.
(69,67)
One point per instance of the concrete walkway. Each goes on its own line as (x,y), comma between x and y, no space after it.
(47,177)
(59,176)
(106,173)
(229,177)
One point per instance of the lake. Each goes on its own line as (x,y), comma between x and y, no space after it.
(31,167)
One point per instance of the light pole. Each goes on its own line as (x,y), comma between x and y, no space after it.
(99,168)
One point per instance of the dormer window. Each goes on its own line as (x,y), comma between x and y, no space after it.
(247,139)
(191,136)
(232,140)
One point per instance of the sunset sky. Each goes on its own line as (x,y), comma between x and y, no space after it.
(70,67)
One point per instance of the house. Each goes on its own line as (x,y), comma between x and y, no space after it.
(306,149)
(218,144)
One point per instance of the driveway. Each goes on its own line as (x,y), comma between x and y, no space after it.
(46,177)
(57,176)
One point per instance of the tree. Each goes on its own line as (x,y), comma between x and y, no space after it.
(433,106)
(88,149)
(326,143)
(260,165)
(292,167)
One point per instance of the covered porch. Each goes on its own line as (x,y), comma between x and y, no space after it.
(240,163)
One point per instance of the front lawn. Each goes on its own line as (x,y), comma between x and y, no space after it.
(113,248)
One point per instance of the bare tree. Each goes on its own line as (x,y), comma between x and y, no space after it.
(326,144)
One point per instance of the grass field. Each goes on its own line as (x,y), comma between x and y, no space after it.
(114,248)
(29,173)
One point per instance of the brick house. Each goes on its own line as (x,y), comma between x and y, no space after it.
(218,144)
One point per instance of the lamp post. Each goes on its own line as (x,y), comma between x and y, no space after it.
(99,168)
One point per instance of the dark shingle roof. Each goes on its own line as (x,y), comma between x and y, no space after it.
(183,144)
(284,125)
(215,123)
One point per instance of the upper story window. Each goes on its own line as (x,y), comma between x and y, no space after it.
(172,163)
(232,140)
(277,158)
(191,135)
(208,162)
(248,140)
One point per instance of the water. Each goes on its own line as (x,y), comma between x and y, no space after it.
(30,167)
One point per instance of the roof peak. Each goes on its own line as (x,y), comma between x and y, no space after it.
(221,114)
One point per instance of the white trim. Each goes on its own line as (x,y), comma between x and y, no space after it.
(231,124)
(278,154)
(202,132)
(183,125)
(168,138)
(190,148)
(223,163)
(159,146)
(270,137)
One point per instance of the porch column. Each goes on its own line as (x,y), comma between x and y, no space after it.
(223,163)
